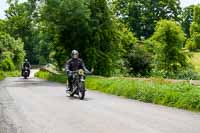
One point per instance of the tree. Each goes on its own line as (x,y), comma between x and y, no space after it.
(20,24)
(193,43)
(103,38)
(87,26)
(142,15)
(169,39)
(11,52)
(2,25)
(67,27)
(186,19)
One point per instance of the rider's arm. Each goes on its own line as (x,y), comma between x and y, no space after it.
(67,66)
(84,68)
(29,65)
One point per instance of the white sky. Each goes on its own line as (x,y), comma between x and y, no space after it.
(4,6)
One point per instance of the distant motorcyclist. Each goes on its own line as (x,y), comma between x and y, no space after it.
(74,64)
(26,64)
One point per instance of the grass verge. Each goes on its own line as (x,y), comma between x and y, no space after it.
(1,76)
(12,74)
(9,74)
(157,91)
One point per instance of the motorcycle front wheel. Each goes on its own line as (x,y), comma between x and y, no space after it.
(81,93)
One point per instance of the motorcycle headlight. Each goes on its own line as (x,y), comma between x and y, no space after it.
(81,72)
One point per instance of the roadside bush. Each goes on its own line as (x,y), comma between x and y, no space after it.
(52,77)
(169,39)
(7,65)
(138,61)
(11,52)
(1,75)
(12,73)
(190,45)
(187,74)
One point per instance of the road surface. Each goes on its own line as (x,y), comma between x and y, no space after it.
(38,106)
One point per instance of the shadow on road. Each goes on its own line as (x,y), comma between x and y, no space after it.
(77,98)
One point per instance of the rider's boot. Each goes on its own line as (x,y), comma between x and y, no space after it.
(69,87)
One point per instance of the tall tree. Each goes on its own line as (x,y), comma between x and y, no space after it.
(142,15)
(195,28)
(186,19)
(103,46)
(11,52)
(67,25)
(20,24)
(169,39)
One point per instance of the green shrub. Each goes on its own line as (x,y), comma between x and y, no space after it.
(1,75)
(186,74)
(190,45)
(169,39)
(12,73)
(11,52)
(138,61)
(7,65)
(52,77)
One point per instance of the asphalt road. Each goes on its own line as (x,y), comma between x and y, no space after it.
(38,106)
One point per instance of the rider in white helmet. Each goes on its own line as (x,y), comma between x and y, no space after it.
(26,64)
(74,64)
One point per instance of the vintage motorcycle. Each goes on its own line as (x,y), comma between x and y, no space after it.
(26,72)
(78,84)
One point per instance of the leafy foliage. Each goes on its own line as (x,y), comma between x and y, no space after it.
(20,24)
(169,39)
(187,18)
(142,15)
(87,27)
(138,61)
(1,75)
(194,41)
(12,53)
(104,32)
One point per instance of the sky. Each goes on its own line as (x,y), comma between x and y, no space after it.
(4,5)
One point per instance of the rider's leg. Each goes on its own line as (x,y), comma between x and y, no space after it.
(28,72)
(22,72)
(70,82)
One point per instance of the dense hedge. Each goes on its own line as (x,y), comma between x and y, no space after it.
(180,95)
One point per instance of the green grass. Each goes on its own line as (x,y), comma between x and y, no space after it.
(9,74)
(157,91)
(195,60)
(1,76)
(12,74)
(52,77)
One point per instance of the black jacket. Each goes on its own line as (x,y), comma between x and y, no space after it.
(26,64)
(75,64)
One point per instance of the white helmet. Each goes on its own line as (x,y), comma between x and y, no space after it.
(74,54)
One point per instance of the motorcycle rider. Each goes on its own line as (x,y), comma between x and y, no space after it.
(74,64)
(26,64)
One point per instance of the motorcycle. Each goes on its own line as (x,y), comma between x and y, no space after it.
(78,84)
(26,73)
